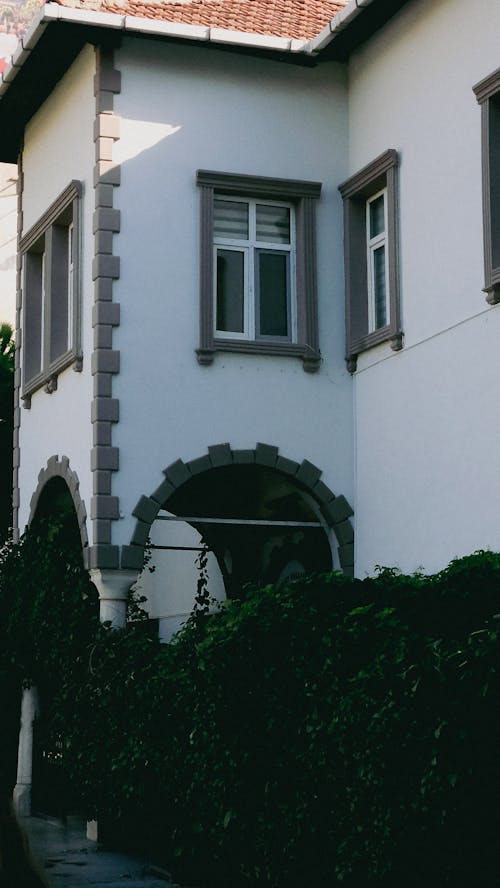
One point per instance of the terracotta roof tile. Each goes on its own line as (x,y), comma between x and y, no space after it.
(279,18)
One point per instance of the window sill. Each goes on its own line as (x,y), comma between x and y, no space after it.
(48,378)
(311,358)
(385,334)
(492,287)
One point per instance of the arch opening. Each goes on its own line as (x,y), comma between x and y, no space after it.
(262,527)
(262,517)
(55,501)
(57,516)
(57,492)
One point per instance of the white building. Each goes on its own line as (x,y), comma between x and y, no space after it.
(8,242)
(211,221)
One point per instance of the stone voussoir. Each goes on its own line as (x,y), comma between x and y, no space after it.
(146,509)
(177,473)
(220,455)
(266,455)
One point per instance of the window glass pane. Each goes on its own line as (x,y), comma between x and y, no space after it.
(273,224)
(273,293)
(230,291)
(379,287)
(377,216)
(231,219)
(33,316)
(71,282)
(59,309)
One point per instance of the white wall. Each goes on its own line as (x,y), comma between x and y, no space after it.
(59,148)
(427,424)
(169,580)
(184,109)
(8,242)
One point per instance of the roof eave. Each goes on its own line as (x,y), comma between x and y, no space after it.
(53,12)
(22,89)
(352,26)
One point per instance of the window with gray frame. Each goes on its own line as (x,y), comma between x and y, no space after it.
(258,267)
(51,323)
(488,95)
(371,257)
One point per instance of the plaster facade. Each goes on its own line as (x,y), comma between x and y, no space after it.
(390,437)
(152,427)
(8,242)
(425,475)
(134,126)
(174,121)
(59,423)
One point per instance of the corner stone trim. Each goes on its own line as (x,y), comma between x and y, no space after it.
(59,468)
(105,362)
(335,509)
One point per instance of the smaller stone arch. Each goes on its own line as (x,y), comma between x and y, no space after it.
(335,510)
(59,468)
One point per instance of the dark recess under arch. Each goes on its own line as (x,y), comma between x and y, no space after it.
(335,510)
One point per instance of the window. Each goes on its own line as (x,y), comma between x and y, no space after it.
(258,276)
(371,257)
(254,268)
(488,95)
(51,336)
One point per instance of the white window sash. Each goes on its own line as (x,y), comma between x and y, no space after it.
(251,248)
(372,245)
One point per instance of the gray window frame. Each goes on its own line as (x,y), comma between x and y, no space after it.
(487,93)
(381,173)
(64,211)
(303,195)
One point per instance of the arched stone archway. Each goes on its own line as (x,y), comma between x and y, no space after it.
(334,509)
(59,468)
(57,494)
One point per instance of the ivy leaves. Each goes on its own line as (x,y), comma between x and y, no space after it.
(327,731)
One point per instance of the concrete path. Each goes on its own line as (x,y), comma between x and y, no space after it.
(69,860)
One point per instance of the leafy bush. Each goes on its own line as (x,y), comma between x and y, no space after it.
(328,731)
(49,615)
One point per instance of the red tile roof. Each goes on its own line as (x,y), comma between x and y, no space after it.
(279,18)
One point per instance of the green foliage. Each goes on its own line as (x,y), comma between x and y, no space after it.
(48,601)
(327,731)
(49,616)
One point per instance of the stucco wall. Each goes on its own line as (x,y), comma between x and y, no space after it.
(184,109)
(8,240)
(58,148)
(427,422)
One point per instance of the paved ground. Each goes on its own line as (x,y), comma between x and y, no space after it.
(69,860)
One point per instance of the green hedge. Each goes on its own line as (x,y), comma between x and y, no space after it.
(49,617)
(327,732)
